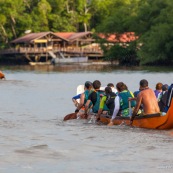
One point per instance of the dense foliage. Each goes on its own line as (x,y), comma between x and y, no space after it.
(151,20)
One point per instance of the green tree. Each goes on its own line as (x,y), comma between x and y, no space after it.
(3,32)
(117,22)
(40,15)
(100,12)
(120,18)
(154,24)
(61,18)
(13,19)
(80,13)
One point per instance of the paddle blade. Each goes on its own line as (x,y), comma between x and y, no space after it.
(70,116)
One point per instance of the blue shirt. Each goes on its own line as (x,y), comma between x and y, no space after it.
(76,97)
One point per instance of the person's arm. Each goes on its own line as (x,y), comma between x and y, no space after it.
(102,103)
(116,110)
(136,109)
(74,99)
(87,104)
(131,99)
(81,103)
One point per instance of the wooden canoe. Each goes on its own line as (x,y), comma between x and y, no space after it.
(148,121)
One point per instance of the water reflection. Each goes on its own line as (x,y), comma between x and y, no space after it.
(89,67)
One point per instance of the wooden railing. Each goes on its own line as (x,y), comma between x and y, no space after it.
(29,50)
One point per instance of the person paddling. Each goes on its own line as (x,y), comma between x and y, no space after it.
(158,89)
(162,99)
(95,97)
(121,102)
(80,110)
(108,100)
(147,99)
(169,97)
(2,76)
(112,87)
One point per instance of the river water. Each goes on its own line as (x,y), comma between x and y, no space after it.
(34,139)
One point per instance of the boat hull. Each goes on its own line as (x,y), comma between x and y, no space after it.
(147,121)
(71,60)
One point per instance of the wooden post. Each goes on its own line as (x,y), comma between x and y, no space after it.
(27,57)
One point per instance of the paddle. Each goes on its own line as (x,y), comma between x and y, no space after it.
(74,116)
(130,111)
(70,116)
(130,108)
(80,89)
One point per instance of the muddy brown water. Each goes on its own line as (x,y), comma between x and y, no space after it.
(34,139)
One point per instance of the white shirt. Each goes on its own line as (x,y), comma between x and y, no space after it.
(117,107)
(114,90)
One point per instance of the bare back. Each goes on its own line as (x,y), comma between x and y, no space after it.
(148,100)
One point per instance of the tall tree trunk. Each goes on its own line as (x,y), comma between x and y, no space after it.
(85,12)
(85,27)
(4,35)
(13,26)
(13,30)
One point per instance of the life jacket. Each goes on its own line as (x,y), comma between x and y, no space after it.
(162,100)
(97,104)
(87,93)
(170,96)
(110,103)
(124,104)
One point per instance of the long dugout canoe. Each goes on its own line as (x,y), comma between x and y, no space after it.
(155,121)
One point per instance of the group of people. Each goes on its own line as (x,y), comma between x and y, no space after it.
(120,101)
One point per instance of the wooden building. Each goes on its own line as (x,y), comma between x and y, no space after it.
(47,46)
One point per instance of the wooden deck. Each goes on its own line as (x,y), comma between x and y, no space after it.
(66,51)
